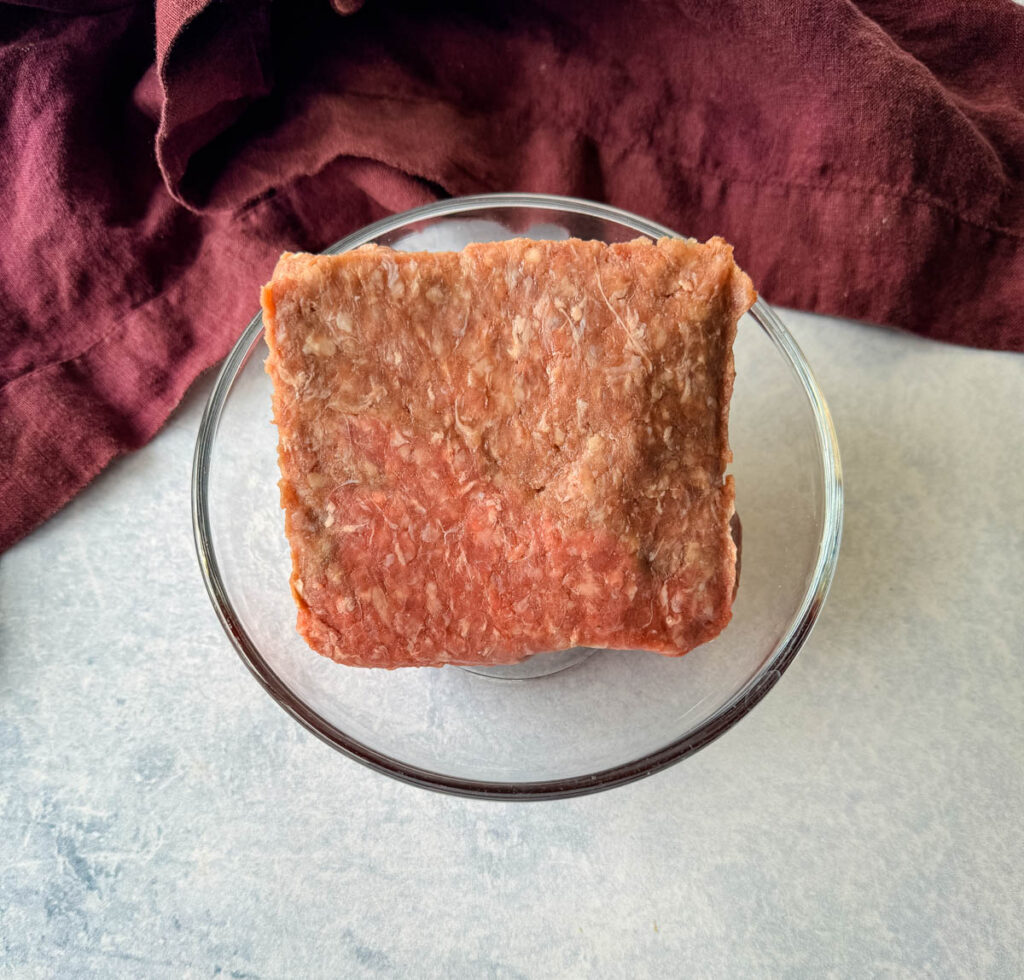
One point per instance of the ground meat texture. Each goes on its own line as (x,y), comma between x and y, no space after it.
(515,448)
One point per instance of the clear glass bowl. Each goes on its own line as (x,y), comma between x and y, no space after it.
(614,716)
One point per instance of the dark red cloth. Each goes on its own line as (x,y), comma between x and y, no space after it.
(867,159)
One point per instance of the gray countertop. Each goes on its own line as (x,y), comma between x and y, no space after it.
(162,817)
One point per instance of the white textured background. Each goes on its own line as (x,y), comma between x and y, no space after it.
(161,817)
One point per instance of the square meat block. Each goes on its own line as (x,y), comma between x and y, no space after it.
(515,448)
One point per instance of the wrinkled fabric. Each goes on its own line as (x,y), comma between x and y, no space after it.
(867,160)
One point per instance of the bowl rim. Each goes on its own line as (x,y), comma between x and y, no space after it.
(740,704)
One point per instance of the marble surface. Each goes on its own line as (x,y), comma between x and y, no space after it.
(162,817)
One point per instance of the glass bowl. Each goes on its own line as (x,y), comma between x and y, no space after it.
(527,732)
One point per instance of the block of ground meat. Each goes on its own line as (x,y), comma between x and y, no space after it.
(515,448)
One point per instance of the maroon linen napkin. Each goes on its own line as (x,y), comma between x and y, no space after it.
(867,159)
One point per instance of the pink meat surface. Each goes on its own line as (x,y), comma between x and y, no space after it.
(515,448)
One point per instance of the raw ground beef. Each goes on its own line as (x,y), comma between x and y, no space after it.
(515,448)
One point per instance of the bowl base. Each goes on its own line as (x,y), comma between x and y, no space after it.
(539,665)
